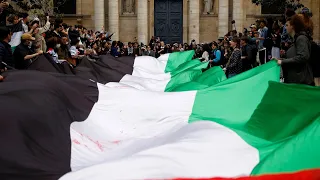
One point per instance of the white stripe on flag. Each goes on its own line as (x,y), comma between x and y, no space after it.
(145,83)
(148,74)
(201,149)
(150,64)
(122,114)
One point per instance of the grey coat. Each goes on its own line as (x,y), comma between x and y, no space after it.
(296,67)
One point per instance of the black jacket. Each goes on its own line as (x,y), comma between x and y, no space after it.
(6,55)
(296,66)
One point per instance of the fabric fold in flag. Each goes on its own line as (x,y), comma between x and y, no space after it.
(163,73)
(187,73)
(221,101)
(294,130)
(208,78)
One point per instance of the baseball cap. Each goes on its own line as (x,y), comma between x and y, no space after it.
(27,36)
(253,26)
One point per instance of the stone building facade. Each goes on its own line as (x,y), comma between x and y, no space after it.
(175,20)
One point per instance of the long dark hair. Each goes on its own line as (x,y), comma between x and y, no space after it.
(206,47)
(215,44)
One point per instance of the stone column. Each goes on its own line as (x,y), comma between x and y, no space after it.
(113,15)
(194,20)
(223,17)
(315,9)
(79,7)
(238,14)
(142,17)
(98,14)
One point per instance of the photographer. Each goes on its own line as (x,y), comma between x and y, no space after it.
(144,51)
(161,49)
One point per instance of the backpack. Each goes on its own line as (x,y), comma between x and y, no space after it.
(307,74)
(314,59)
(222,58)
(254,52)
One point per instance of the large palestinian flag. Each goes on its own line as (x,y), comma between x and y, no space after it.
(56,125)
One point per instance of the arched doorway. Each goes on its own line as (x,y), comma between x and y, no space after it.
(168,20)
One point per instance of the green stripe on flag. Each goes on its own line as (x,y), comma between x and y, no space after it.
(279,118)
(185,73)
(208,78)
(182,78)
(212,76)
(300,152)
(232,102)
(178,58)
(189,86)
(193,64)
(289,117)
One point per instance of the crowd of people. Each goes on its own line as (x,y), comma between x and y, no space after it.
(288,41)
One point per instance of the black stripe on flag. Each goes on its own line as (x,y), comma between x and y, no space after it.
(106,69)
(37,109)
(103,70)
(45,63)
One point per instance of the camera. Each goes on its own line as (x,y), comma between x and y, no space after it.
(245,31)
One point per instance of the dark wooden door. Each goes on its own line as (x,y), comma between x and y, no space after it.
(168,20)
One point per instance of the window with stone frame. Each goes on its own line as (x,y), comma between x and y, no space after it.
(65,6)
(273,8)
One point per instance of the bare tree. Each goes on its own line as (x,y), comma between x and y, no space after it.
(281,4)
(38,7)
